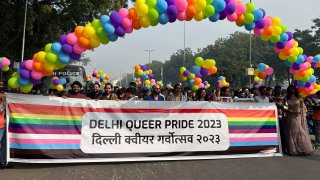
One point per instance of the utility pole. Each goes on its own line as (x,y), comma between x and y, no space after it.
(24,30)
(149,51)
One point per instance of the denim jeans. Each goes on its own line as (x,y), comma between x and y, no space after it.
(3,140)
(316,127)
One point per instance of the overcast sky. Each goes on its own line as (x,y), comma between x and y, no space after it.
(120,56)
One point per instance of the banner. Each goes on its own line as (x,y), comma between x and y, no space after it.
(47,129)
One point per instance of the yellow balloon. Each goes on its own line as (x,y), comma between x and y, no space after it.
(49,67)
(94,41)
(59,87)
(147,82)
(145,22)
(199,16)
(276,21)
(142,9)
(41,56)
(88,31)
(208,63)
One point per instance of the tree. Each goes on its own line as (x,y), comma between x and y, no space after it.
(46,20)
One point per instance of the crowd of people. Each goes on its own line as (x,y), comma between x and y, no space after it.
(295,114)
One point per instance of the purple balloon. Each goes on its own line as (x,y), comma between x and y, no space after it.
(305,57)
(264,12)
(295,66)
(116,18)
(22,65)
(67,48)
(280,45)
(230,9)
(120,31)
(204,72)
(223,14)
(150,75)
(260,24)
(56,82)
(186,73)
(295,82)
(314,65)
(205,83)
(144,67)
(63,39)
(172,19)
(33,81)
(0,65)
(227,1)
(307,84)
(290,35)
(170,2)
(25,74)
(198,75)
(172,11)
(75,56)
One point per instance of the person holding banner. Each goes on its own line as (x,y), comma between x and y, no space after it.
(108,94)
(75,91)
(96,93)
(155,94)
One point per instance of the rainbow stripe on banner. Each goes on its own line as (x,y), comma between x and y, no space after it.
(53,131)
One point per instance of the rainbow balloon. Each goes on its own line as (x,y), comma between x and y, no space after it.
(153,12)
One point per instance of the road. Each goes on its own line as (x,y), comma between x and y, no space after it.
(287,167)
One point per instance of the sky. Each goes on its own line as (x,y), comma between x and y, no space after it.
(118,58)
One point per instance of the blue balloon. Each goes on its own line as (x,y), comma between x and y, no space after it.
(250,27)
(300,59)
(214,17)
(316,59)
(163,18)
(108,28)
(219,5)
(288,64)
(23,82)
(195,69)
(312,79)
(104,19)
(162,6)
(301,83)
(113,37)
(284,37)
(258,14)
(148,87)
(261,67)
(101,77)
(190,82)
(56,47)
(63,81)
(63,58)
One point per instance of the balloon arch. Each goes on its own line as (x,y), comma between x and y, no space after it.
(146,13)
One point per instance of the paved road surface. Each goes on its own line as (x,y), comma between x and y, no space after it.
(286,168)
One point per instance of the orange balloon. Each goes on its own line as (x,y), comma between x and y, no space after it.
(191,11)
(133,14)
(137,67)
(197,81)
(240,18)
(136,24)
(191,2)
(262,75)
(213,70)
(286,52)
(34,58)
(318,64)
(302,73)
(45,73)
(78,30)
(84,42)
(38,66)
(268,31)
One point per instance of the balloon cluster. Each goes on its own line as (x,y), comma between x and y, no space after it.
(257,81)
(149,83)
(303,74)
(151,12)
(222,82)
(263,71)
(4,64)
(201,68)
(137,80)
(143,72)
(100,76)
(57,83)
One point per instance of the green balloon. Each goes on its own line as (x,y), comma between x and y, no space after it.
(51,57)
(305,78)
(13,82)
(48,47)
(198,61)
(154,22)
(151,3)
(182,69)
(59,65)
(153,14)
(248,18)
(5,68)
(27,88)
(96,24)
(102,36)
(209,10)
(275,39)
(292,59)
(250,7)
(195,87)
(15,74)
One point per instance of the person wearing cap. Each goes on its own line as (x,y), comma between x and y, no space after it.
(75,91)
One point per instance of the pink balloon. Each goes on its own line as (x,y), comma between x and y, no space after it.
(268,21)
(5,62)
(232,17)
(310,59)
(201,85)
(182,16)
(78,49)
(181,5)
(126,23)
(124,12)
(292,71)
(257,31)
(152,81)
(289,44)
(129,30)
(72,38)
(277,50)
(95,72)
(235,2)
(309,89)
(241,8)
(304,66)
(29,65)
(36,75)
(269,71)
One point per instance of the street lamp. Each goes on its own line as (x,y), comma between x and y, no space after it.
(24,30)
(149,51)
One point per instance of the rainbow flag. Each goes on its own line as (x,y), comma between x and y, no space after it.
(45,128)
